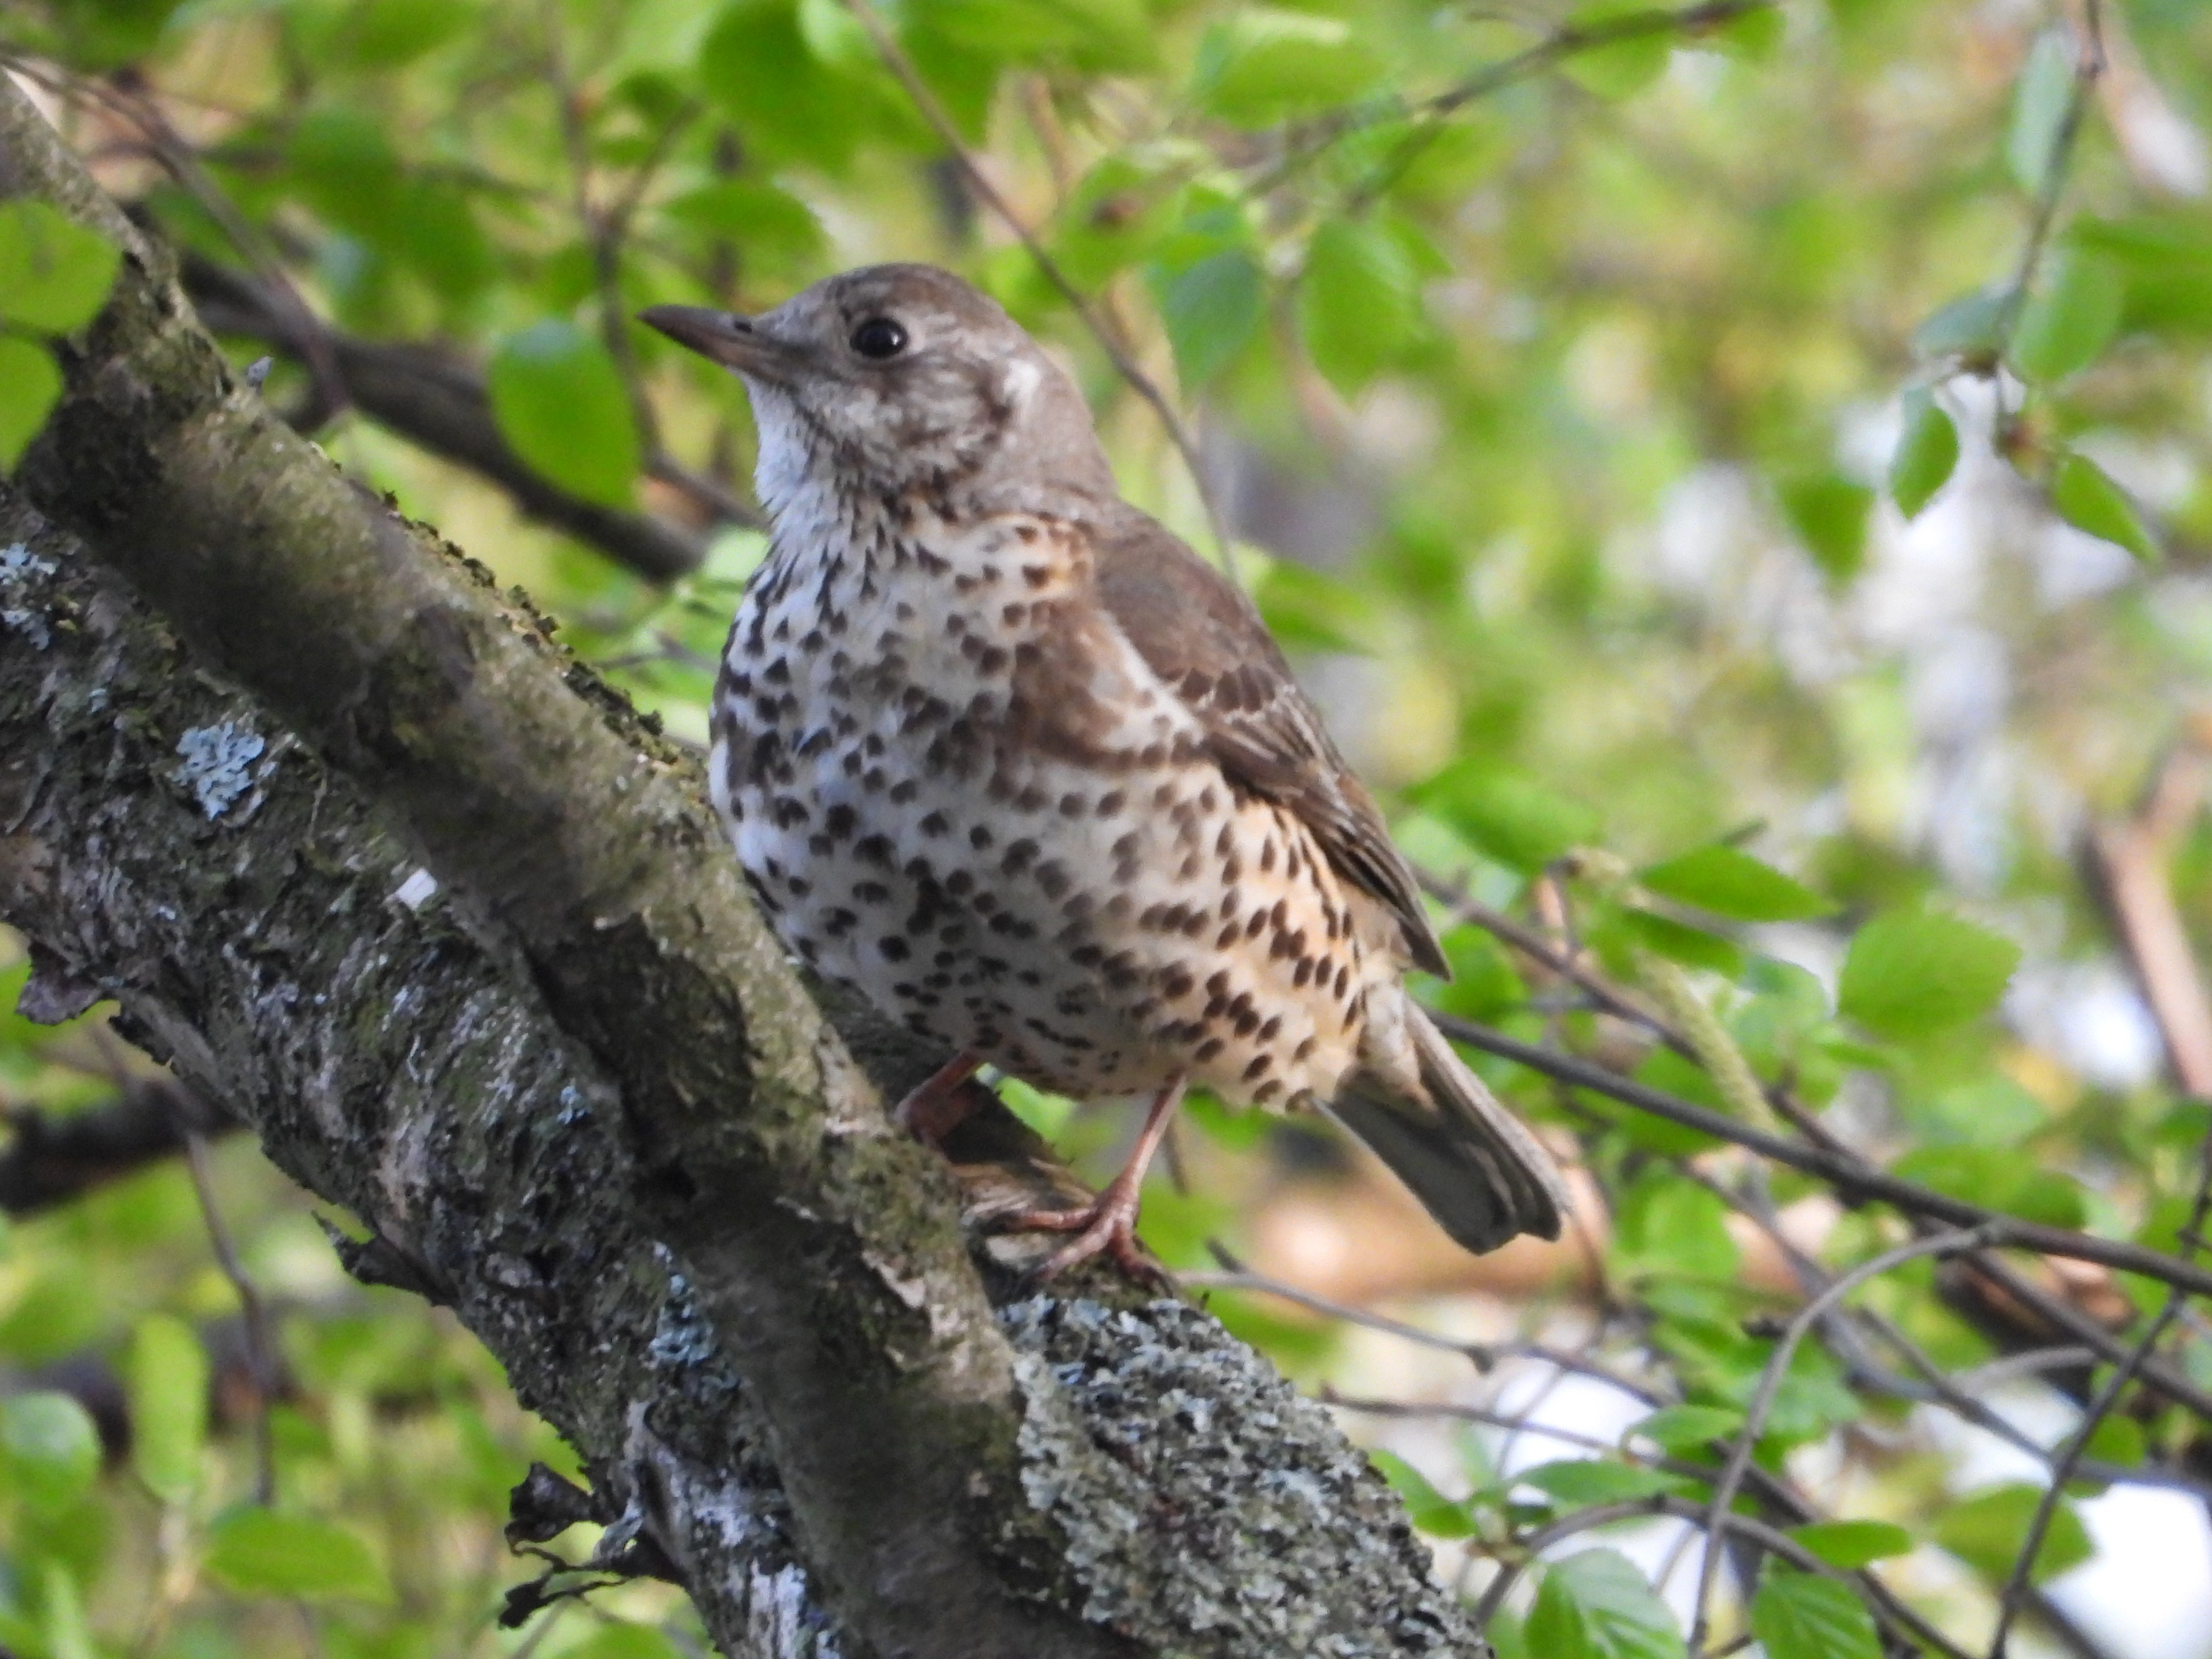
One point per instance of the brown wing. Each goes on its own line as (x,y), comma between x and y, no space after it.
(1205,640)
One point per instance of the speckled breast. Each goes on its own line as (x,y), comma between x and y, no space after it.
(955,787)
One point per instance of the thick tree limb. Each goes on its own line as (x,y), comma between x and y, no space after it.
(491,982)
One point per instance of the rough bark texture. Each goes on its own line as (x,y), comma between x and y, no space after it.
(443,920)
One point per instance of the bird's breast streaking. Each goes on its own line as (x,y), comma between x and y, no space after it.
(958,787)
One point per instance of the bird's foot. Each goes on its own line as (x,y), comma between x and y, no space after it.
(1105,1226)
(938,1105)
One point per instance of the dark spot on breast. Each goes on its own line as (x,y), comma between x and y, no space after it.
(934,823)
(894,948)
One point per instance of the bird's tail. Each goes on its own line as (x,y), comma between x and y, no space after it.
(1470,1162)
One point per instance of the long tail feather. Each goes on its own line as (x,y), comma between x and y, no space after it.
(1470,1162)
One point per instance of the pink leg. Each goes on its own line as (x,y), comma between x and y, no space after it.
(936,1108)
(1108,1224)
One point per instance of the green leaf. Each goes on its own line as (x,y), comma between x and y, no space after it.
(1485,984)
(560,402)
(382,34)
(1990,1111)
(1829,515)
(30,386)
(1851,1545)
(2117,1440)
(54,273)
(2071,319)
(1998,1177)
(1911,972)
(1729,882)
(757,67)
(1677,941)
(344,168)
(1306,610)
(624,1642)
(1265,65)
(1432,1511)
(1581,1482)
(2038,111)
(2088,500)
(1359,301)
(271,1552)
(1668,1224)
(52,1449)
(1988,1531)
(1596,1605)
(1622,68)
(1513,818)
(1804,1616)
(1210,309)
(1971,325)
(166,1376)
(1094,34)
(770,225)
(1689,1429)
(1927,450)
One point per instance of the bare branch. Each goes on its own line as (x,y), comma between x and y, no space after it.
(1852,1175)
(1769,1384)
(435,401)
(52,1161)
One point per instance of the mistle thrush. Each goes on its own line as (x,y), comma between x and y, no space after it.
(1001,752)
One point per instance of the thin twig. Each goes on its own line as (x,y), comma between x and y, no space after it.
(1605,1515)
(178,158)
(2062,1468)
(1850,1174)
(2128,864)
(2089,68)
(1777,1366)
(1566,41)
(603,234)
(260,1351)
(1483,1355)
(1117,350)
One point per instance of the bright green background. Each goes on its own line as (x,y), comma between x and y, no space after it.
(1571,434)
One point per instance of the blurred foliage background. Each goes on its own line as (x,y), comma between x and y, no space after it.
(1738,478)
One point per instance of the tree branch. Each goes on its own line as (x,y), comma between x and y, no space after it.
(438,403)
(549,1054)
(52,1161)
(1852,1175)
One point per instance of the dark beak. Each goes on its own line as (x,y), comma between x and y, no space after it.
(722,337)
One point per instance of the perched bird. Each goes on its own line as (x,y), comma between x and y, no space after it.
(1001,752)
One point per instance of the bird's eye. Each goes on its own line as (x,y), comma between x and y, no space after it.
(880,337)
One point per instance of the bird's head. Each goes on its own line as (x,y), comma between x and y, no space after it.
(892,378)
